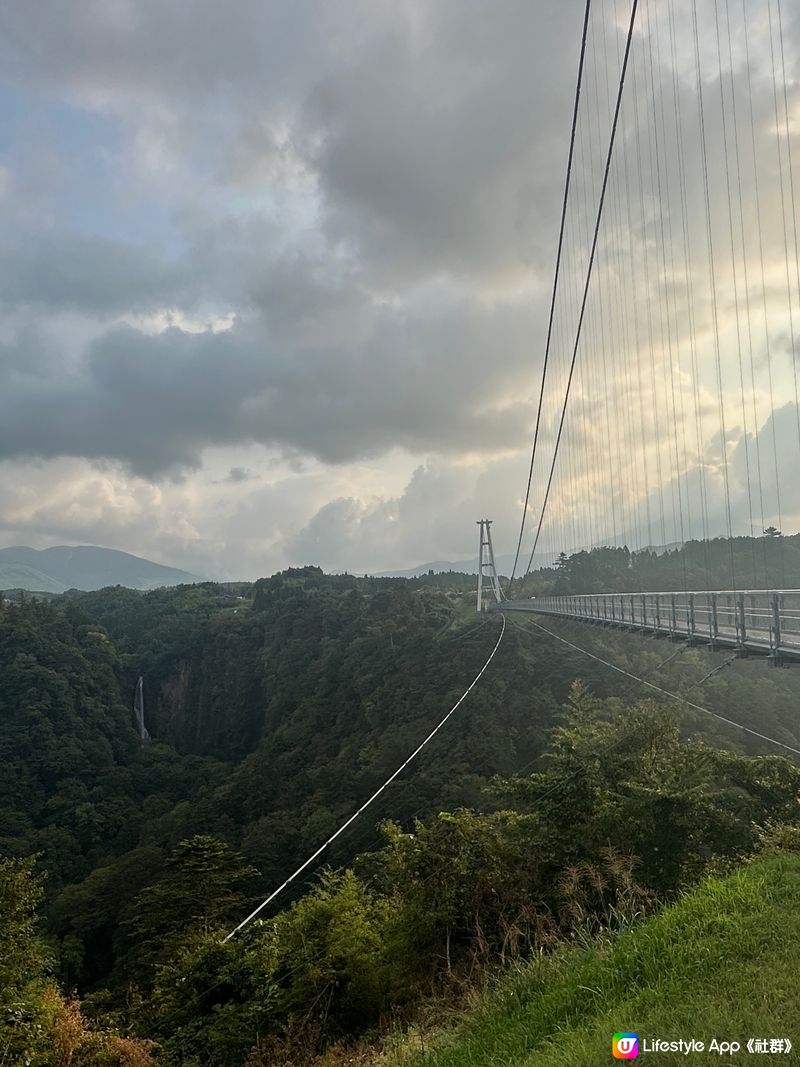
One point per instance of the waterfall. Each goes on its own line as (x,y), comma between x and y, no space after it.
(138,711)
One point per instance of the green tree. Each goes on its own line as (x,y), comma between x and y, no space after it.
(331,952)
(201,892)
(24,1015)
(627,778)
(22,955)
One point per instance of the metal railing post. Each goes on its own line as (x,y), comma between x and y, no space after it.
(741,622)
(714,621)
(674,616)
(690,617)
(775,628)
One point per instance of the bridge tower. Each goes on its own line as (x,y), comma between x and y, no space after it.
(488,582)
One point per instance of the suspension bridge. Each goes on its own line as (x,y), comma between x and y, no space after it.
(668,408)
(755,622)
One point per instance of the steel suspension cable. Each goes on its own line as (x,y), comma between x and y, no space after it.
(764,300)
(735,279)
(673,350)
(666,692)
(653,404)
(620,344)
(688,275)
(587,283)
(712,279)
(783,199)
(746,282)
(604,388)
(556,272)
(791,167)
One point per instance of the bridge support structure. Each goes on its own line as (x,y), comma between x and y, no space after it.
(488,582)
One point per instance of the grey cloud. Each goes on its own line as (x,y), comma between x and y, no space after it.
(237,475)
(144,48)
(151,401)
(444,163)
(429,131)
(86,272)
(434,518)
(374,379)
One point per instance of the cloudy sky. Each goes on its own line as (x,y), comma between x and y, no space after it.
(274,276)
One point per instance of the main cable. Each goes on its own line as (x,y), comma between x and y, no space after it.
(556,273)
(375,795)
(587,283)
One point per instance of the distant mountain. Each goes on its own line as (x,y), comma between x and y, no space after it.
(505,563)
(54,570)
(468,566)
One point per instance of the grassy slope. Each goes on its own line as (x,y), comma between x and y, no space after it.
(724,961)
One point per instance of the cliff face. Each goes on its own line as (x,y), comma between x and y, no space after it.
(212,701)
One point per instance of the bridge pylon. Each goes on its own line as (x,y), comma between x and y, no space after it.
(488,582)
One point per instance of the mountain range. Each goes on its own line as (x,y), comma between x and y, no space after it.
(54,570)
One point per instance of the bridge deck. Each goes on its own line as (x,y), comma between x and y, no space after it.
(755,621)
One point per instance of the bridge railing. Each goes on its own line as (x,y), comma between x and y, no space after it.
(754,620)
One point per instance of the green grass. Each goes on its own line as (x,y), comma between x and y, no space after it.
(722,962)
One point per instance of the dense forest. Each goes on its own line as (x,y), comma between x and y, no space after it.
(768,562)
(555,804)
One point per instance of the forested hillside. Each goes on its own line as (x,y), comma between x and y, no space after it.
(274,710)
(768,562)
(271,717)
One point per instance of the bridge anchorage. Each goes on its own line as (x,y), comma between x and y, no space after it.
(761,622)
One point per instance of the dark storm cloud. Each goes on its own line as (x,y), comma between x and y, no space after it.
(150,401)
(334,390)
(447,160)
(403,160)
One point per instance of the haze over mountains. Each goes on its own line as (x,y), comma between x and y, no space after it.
(504,563)
(88,567)
(54,570)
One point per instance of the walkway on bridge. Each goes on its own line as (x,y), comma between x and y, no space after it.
(760,622)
